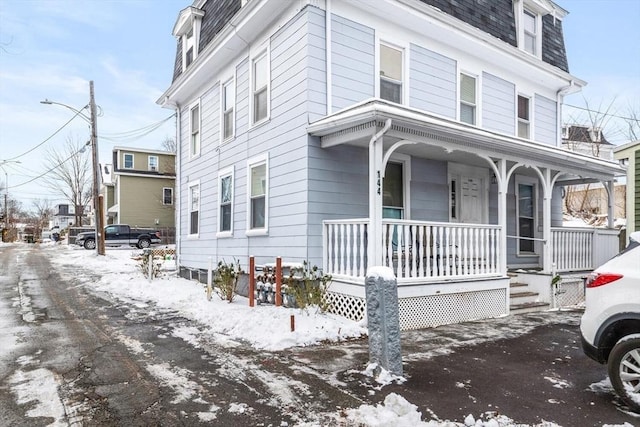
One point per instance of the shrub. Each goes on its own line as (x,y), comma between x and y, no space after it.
(307,286)
(226,279)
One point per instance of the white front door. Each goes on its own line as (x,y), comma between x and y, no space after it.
(471,203)
(468,188)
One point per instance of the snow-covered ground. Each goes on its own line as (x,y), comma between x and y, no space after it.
(120,276)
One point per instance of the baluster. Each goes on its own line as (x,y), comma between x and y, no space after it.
(349,252)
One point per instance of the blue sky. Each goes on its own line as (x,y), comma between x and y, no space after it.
(52,48)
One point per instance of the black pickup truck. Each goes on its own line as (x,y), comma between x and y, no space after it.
(121,234)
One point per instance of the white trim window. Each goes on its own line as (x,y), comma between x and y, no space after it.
(167,196)
(187,28)
(258,195)
(227,104)
(530,31)
(194,208)
(391,73)
(127,161)
(153,163)
(395,187)
(260,78)
(468,99)
(526,208)
(194,129)
(524,117)
(225,202)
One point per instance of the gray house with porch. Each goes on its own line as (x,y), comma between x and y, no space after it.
(421,135)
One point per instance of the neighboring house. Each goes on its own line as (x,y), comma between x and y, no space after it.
(64,216)
(138,188)
(629,156)
(591,200)
(419,135)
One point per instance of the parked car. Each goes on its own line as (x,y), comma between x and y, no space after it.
(121,234)
(610,325)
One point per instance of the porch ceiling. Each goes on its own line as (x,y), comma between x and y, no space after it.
(439,138)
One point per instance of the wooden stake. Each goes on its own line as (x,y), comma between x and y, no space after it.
(278,281)
(252,280)
(293,323)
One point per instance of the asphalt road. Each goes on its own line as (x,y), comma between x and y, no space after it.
(121,363)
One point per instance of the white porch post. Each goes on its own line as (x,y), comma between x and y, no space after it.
(610,208)
(503,186)
(374,250)
(547,259)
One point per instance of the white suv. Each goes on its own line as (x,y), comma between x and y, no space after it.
(610,325)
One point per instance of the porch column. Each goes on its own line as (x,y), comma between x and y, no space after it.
(374,246)
(610,208)
(547,259)
(503,186)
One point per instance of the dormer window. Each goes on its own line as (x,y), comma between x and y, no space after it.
(530,29)
(529,15)
(187,29)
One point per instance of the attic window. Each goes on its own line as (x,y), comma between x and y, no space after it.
(187,30)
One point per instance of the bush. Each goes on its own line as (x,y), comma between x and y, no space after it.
(307,286)
(226,279)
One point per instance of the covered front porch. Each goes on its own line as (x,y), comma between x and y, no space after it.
(466,206)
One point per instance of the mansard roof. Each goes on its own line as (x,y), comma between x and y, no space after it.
(495,17)
(579,133)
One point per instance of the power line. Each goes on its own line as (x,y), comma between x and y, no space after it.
(603,114)
(52,169)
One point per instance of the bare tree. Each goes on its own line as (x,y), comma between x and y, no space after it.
(632,120)
(70,174)
(43,210)
(169,144)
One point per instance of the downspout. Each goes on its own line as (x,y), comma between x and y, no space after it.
(560,94)
(327,49)
(176,196)
(374,250)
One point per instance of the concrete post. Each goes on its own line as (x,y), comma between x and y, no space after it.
(383,320)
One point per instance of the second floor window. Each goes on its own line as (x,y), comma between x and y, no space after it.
(228,99)
(153,163)
(260,88)
(523,117)
(128,161)
(390,74)
(195,130)
(467,99)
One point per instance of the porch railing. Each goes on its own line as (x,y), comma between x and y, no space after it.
(415,250)
(579,249)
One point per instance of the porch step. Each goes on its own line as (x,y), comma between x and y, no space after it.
(524,294)
(528,307)
(517,285)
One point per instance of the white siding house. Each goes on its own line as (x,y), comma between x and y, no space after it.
(406,133)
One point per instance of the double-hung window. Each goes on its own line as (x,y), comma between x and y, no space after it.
(194,119)
(153,163)
(225,197)
(194,208)
(167,196)
(258,194)
(468,99)
(523,117)
(530,29)
(260,87)
(228,99)
(128,161)
(391,73)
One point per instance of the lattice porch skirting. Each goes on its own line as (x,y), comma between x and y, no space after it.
(430,310)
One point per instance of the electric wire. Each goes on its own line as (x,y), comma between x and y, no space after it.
(51,169)
(633,119)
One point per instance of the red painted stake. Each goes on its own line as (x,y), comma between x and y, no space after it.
(252,280)
(278,282)
(293,323)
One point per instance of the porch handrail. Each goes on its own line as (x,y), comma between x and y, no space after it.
(582,248)
(415,250)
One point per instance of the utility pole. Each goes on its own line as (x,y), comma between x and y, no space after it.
(96,170)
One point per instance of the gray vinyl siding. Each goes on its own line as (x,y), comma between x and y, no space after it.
(297,89)
(545,120)
(433,82)
(429,190)
(352,62)
(498,104)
